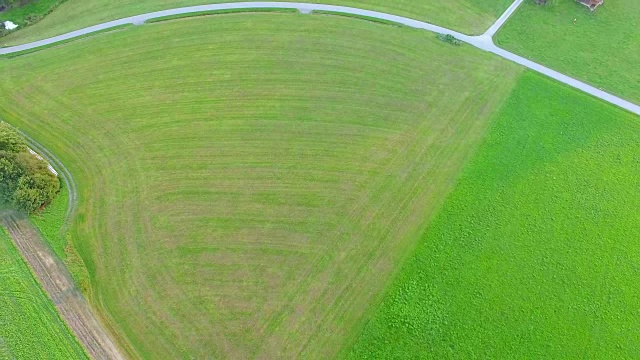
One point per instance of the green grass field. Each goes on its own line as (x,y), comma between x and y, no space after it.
(602,48)
(30,327)
(469,16)
(535,254)
(249,195)
(51,221)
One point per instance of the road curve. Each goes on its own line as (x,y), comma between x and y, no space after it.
(483,42)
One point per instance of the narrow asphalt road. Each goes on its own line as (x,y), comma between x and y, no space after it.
(484,42)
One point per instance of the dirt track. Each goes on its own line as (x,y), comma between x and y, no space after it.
(58,284)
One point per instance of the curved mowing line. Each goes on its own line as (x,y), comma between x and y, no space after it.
(483,42)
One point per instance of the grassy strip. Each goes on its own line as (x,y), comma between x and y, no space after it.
(50,222)
(220,12)
(535,253)
(29,51)
(31,327)
(361,17)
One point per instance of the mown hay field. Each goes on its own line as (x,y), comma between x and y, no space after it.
(468,16)
(602,48)
(536,252)
(248,184)
(30,327)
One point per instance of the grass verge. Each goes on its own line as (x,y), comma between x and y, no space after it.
(221,12)
(30,51)
(356,16)
(50,223)
(51,220)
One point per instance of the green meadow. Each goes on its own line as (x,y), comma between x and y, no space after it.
(279,185)
(601,48)
(251,195)
(30,327)
(536,252)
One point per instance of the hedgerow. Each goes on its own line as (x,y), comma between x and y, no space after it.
(25,180)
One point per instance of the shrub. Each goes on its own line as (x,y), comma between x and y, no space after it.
(449,39)
(10,140)
(25,180)
(32,19)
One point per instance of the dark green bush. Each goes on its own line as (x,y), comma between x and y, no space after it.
(449,39)
(32,19)
(10,140)
(25,180)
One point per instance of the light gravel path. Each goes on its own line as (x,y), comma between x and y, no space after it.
(484,42)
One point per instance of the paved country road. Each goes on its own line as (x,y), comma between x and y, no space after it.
(484,41)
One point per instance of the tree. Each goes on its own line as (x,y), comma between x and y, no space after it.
(9,176)
(10,140)
(9,3)
(25,181)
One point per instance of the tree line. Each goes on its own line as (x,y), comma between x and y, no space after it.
(26,184)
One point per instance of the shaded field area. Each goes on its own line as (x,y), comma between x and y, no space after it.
(602,48)
(32,11)
(535,253)
(30,327)
(468,16)
(249,195)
